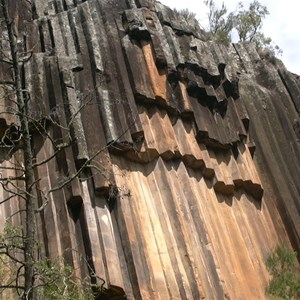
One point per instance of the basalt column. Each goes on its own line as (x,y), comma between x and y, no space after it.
(193,149)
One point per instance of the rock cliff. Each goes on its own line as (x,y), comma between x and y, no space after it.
(194,147)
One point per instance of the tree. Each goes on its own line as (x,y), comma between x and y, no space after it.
(189,17)
(53,280)
(28,170)
(22,270)
(220,25)
(283,267)
(247,23)
(186,14)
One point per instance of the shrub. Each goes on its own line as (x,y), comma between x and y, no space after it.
(283,267)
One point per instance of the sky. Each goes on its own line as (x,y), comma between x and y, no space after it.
(282,24)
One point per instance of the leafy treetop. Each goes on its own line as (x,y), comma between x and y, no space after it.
(245,21)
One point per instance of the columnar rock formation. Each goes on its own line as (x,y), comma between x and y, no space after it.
(198,175)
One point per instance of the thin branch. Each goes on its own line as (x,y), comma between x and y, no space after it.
(6,82)
(76,175)
(6,61)
(34,183)
(93,166)
(8,112)
(12,257)
(70,179)
(18,277)
(21,190)
(15,193)
(11,178)
(15,213)
(60,148)
(11,168)
(7,199)
(11,286)
(38,126)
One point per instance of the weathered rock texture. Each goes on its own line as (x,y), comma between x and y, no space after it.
(198,179)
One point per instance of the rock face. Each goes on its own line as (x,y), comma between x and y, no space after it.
(194,148)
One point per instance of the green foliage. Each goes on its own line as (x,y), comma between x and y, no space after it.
(263,42)
(11,254)
(53,280)
(186,14)
(12,237)
(283,267)
(220,24)
(56,280)
(246,21)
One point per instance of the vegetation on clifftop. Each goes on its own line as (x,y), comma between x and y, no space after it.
(245,22)
(283,267)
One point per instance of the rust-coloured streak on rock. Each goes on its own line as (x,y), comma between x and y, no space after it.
(186,103)
(158,79)
(198,177)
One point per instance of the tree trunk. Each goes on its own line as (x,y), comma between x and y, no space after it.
(22,111)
